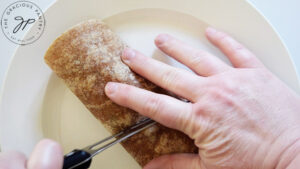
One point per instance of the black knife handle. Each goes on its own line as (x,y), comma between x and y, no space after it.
(75,157)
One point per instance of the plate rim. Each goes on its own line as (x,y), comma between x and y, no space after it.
(251,5)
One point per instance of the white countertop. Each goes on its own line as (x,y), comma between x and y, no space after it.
(283,15)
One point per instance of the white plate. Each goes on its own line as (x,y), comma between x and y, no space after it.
(36,104)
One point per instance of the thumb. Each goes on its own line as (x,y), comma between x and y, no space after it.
(47,154)
(176,161)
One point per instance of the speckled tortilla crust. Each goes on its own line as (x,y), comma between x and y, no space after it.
(86,57)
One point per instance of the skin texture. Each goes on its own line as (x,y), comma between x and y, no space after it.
(240,116)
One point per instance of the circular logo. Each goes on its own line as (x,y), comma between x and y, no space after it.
(20,17)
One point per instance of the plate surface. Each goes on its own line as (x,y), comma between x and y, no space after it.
(35,103)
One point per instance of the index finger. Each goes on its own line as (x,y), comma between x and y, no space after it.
(166,110)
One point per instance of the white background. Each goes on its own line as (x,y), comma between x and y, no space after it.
(283,15)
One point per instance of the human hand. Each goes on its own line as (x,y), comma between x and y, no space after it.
(240,116)
(46,155)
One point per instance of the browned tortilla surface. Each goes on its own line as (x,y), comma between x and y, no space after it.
(86,57)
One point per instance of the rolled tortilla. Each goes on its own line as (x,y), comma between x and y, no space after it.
(86,57)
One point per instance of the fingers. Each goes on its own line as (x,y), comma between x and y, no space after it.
(239,56)
(178,81)
(12,160)
(164,109)
(46,155)
(199,61)
(177,161)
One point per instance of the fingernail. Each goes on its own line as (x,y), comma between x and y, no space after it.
(127,55)
(210,30)
(161,39)
(110,88)
(47,154)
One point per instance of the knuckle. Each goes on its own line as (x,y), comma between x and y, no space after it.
(199,110)
(198,119)
(185,116)
(230,88)
(238,49)
(222,37)
(221,97)
(244,55)
(185,120)
(214,94)
(200,53)
(170,78)
(236,45)
(198,58)
(227,85)
(152,106)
